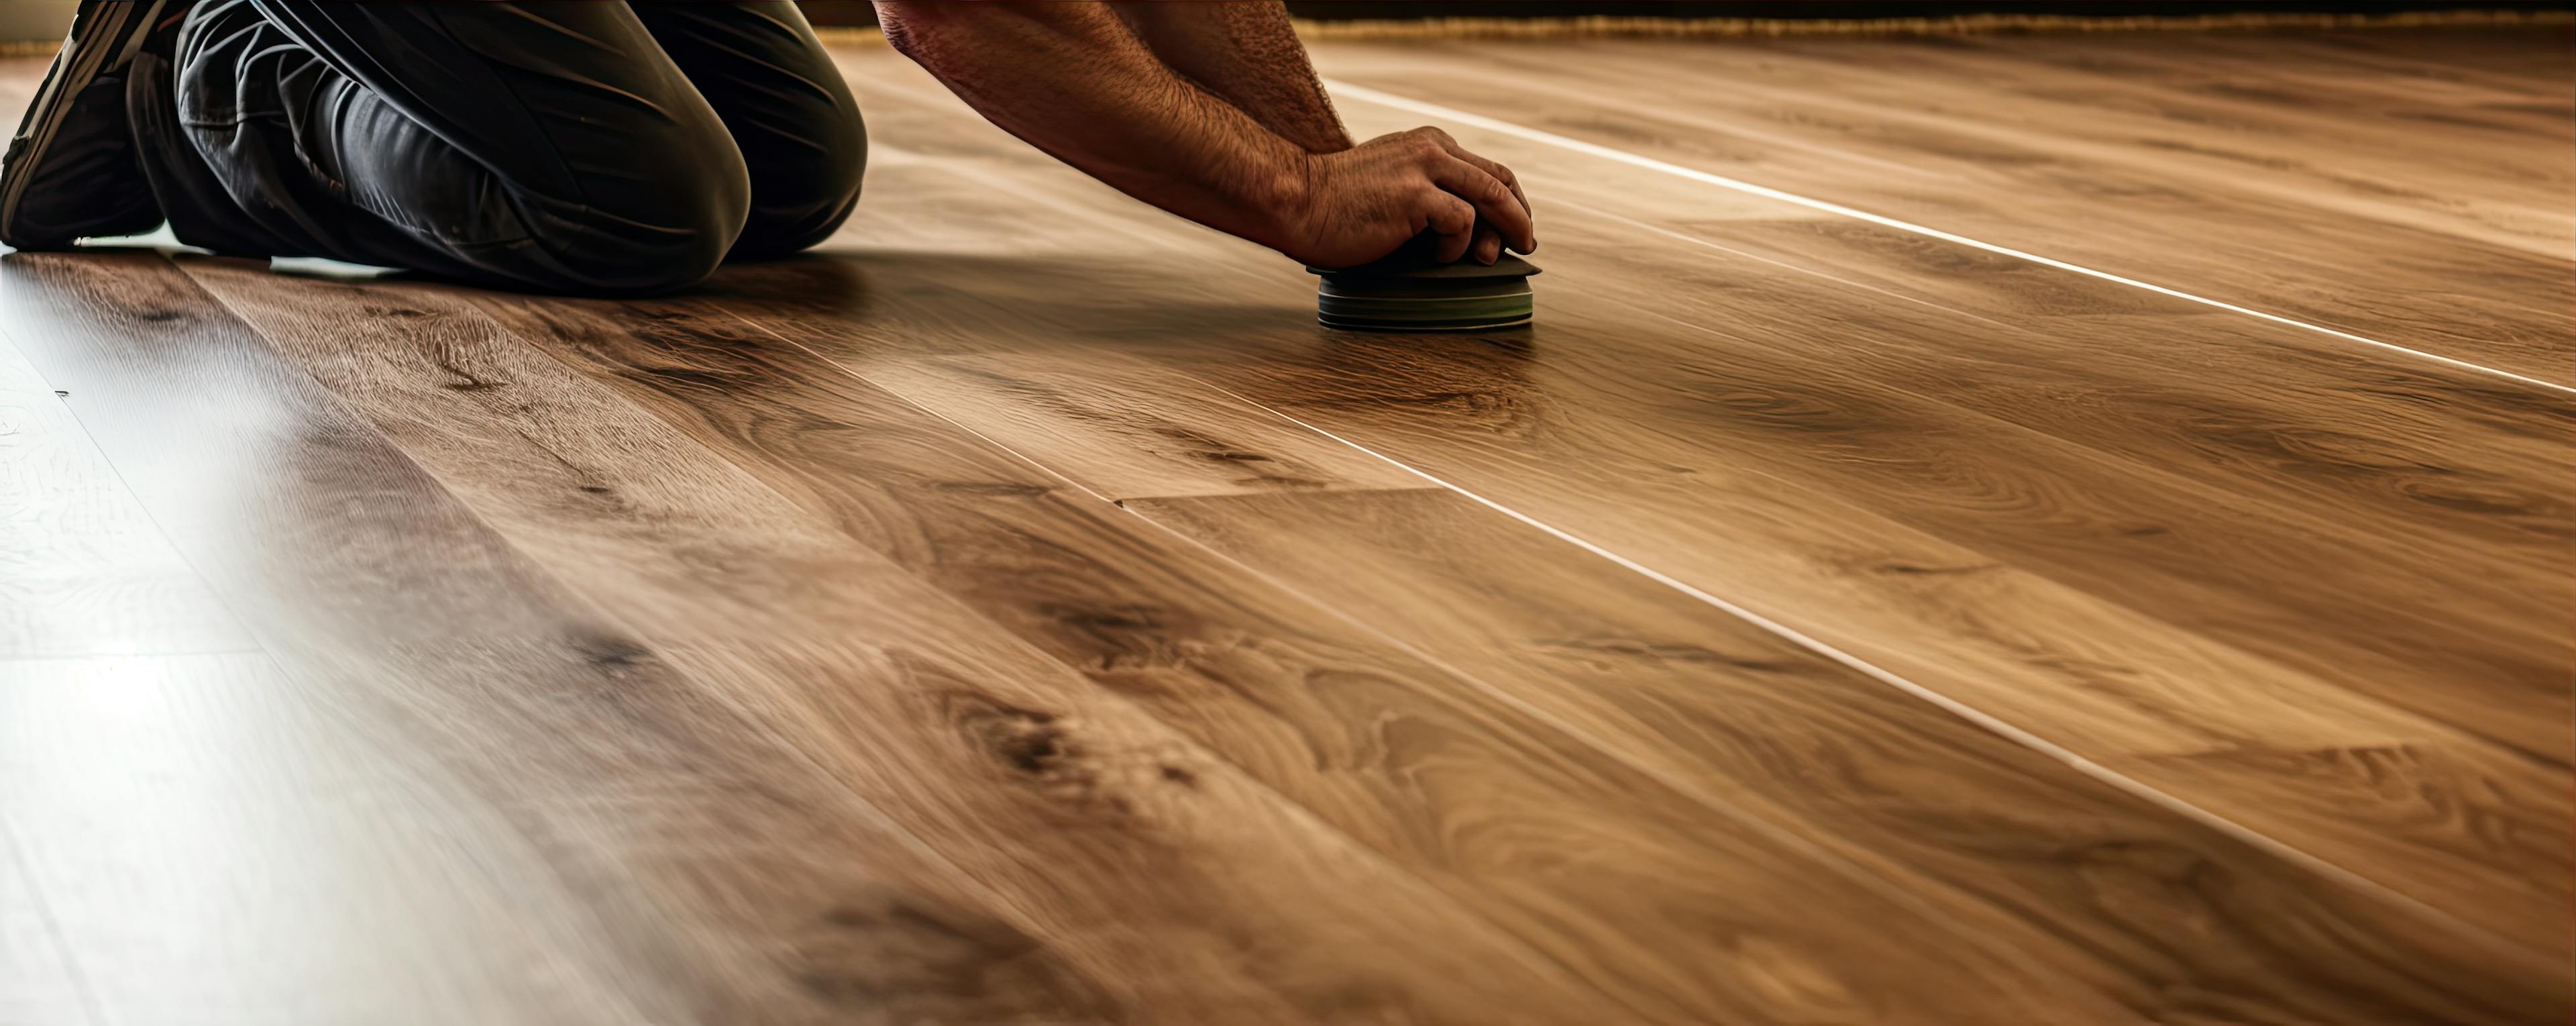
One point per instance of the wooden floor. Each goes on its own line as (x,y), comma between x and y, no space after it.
(1020,612)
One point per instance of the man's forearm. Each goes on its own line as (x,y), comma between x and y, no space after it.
(1248,54)
(1080,84)
(1078,81)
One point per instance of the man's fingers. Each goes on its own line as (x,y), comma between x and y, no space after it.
(1527,244)
(1513,182)
(1491,198)
(1454,219)
(1495,168)
(1504,175)
(1488,246)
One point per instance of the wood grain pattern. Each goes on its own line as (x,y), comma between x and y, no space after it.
(2080,670)
(1183,647)
(1699,696)
(2216,506)
(1214,899)
(1391,750)
(2402,204)
(1701,448)
(664,866)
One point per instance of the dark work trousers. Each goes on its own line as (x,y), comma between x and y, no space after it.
(570,146)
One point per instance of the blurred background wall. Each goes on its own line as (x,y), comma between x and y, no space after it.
(34,19)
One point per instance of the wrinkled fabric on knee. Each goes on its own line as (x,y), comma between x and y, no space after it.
(543,145)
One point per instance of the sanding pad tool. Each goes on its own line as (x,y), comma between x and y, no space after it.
(1408,293)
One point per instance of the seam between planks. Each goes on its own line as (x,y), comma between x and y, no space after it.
(1987,721)
(1293,808)
(1592,149)
(2124,783)
(1978,717)
(1833,859)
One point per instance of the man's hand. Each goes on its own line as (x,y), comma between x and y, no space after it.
(1361,204)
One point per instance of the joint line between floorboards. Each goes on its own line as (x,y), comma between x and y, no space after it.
(1404,103)
(1978,717)
(1297,807)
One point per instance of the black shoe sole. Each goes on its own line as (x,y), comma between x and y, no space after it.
(104,36)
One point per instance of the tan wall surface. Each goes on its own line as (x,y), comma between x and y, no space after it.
(35,19)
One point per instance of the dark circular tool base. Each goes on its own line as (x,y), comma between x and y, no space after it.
(1417,304)
(1330,321)
(1407,295)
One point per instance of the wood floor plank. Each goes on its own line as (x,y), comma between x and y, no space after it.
(1210,897)
(2238,207)
(1393,751)
(2222,502)
(1710,463)
(1319,550)
(2225,502)
(2454,857)
(83,571)
(1189,657)
(2081,671)
(1698,695)
(660,856)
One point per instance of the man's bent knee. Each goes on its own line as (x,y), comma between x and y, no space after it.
(800,202)
(689,218)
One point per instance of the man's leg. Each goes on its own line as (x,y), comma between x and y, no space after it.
(791,115)
(547,145)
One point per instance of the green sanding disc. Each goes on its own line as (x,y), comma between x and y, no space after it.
(1407,293)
